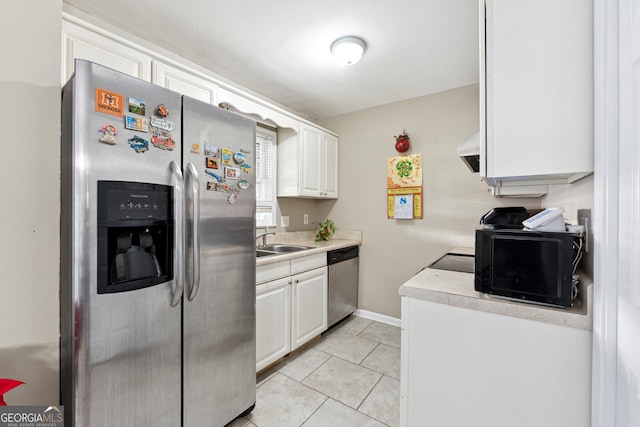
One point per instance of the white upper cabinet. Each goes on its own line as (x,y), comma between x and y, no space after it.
(330,147)
(307,155)
(536,91)
(242,104)
(311,153)
(307,159)
(185,83)
(80,43)
(308,164)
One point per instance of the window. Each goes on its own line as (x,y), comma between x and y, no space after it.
(266,145)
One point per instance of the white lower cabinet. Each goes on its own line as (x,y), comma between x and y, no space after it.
(308,306)
(273,321)
(464,367)
(291,310)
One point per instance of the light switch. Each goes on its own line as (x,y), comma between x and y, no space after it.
(284,221)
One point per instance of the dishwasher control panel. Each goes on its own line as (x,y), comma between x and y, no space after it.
(343,254)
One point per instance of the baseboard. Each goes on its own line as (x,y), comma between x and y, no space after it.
(382,318)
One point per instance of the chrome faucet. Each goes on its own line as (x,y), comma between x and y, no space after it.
(264,236)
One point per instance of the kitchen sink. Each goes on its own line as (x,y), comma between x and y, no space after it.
(260,253)
(282,248)
(279,248)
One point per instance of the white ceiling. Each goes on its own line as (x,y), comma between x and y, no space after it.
(280,48)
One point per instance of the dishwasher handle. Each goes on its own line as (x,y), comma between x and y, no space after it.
(338,255)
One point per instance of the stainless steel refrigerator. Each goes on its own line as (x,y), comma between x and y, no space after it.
(157,256)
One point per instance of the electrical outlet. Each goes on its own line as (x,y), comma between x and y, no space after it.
(284,221)
(305,218)
(584,219)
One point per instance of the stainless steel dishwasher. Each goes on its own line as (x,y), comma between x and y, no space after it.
(343,283)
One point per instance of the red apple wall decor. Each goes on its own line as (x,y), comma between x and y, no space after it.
(402,142)
(7,384)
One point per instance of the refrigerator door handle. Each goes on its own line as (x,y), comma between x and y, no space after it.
(195,196)
(178,238)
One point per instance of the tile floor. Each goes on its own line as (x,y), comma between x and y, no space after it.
(348,377)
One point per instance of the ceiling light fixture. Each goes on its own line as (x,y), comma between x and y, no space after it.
(348,50)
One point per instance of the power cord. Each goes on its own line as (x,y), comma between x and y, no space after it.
(575,278)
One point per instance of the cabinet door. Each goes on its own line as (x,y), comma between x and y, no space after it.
(80,43)
(330,155)
(308,163)
(185,83)
(436,338)
(308,306)
(260,110)
(311,160)
(539,89)
(273,321)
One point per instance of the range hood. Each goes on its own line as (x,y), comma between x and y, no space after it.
(469,152)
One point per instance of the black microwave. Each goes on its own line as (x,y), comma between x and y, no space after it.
(530,266)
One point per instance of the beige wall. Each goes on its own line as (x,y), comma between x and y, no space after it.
(571,197)
(29,253)
(454,198)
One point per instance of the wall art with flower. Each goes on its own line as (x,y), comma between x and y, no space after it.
(404,187)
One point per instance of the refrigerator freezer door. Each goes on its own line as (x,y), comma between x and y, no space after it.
(120,351)
(219,321)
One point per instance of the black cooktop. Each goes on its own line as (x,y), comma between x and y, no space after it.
(455,262)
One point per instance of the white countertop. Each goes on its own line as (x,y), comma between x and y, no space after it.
(341,239)
(457,289)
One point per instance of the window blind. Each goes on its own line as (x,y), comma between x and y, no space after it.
(265,169)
